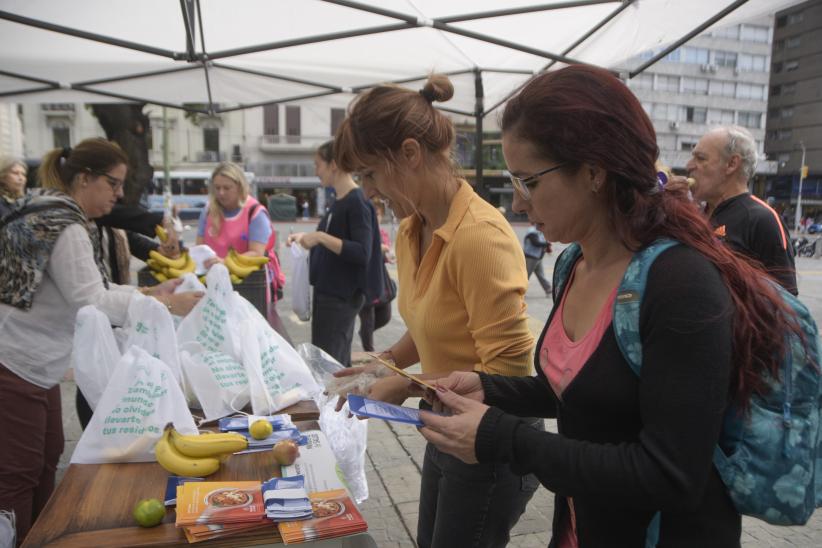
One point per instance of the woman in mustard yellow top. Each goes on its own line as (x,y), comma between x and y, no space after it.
(462,282)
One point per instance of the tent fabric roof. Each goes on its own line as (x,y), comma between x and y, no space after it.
(233,54)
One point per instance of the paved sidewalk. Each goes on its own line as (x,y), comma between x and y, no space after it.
(394,455)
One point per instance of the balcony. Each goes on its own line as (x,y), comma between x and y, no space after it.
(291,143)
(210,156)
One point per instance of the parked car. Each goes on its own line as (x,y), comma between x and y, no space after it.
(815,228)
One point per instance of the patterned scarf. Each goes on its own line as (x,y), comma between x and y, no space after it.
(27,237)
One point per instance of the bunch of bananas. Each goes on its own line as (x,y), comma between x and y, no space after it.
(163,268)
(196,455)
(240,266)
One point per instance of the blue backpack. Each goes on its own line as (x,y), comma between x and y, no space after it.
(770,461)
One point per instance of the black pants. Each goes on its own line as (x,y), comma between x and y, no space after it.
(469,505)
(372,318)
(332,324)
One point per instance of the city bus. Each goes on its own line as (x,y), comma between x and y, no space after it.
(189,190)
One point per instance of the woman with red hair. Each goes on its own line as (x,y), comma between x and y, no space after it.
(581,153)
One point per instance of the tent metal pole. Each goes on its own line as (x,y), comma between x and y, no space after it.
(607,19)
(696,31)
(89,35)
(133,99)
(506,44)
(479,94)
(278,101)
(30,78)
(507,71)
(358,89)
(309,40)
(522,10)
(136,76)
(186,6)
(276,76)
(205,60)
(26,91)
(456,111)
(375,10)
(567,50)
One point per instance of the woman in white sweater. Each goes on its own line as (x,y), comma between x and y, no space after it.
(51,266)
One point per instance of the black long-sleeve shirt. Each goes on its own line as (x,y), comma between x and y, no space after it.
(359,266)
(629,446)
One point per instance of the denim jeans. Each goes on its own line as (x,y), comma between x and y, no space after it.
(469,505)
(332,324)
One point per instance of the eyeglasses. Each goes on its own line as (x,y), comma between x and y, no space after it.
(523,184)
(116,184)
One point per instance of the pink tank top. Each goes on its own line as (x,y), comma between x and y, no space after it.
(561,359)
(233,231)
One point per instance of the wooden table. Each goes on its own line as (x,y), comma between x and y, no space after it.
(92,505)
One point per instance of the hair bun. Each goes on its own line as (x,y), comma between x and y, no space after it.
(438,88)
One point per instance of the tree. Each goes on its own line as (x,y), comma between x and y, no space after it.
(126,125)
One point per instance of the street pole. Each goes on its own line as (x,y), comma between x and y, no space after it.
(798,216)
(167,206)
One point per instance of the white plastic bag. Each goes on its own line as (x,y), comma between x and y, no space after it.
(278,376)
(300,284)
(347,436)
(218,381)
(212,322)
(190,283)
(149,326)
(142,396)
(95,353)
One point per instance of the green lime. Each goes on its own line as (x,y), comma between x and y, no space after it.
(260,429)
(149,512)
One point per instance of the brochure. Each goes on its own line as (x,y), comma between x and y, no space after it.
(286,499)
(223,502)
(335,515)
(171,488)
(364,407)
(238,423)
(316,464)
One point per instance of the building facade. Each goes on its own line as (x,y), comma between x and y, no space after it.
(795,106)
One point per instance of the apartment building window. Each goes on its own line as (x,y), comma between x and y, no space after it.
(784,158)
(788,89)
(696,115)
(292,124)
(648,108)
(750,91)
(779,45)
(725,59)
(664,111)
(337,117)
(674,56)
(61,135)
(697,86)
(757,63)
(211,141)
(271,119)
(794,18)
(667,83)
(720,116)
(793,42)
(754,33)
(724,89)
(787,112)
(642,81)
(750,119)
(731,33)
(697,56)
(784,134)
(790,66)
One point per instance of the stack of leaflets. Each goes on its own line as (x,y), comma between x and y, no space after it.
(232,506)
(171,488)
(286,499)
(335,515)
(268,443)
(241,422)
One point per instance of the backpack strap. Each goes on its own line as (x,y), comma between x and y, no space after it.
(562,268)
(629,299)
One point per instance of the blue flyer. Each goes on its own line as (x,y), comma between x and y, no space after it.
(364,407)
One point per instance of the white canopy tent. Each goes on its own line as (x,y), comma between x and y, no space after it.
(215,56)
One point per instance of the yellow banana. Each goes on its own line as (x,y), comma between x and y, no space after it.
(203,279)
(160,277)
(249,260)
(189,266)
(165,261)
(208,445)
(161,233)
(234,268)
(175,462)
(236,279)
